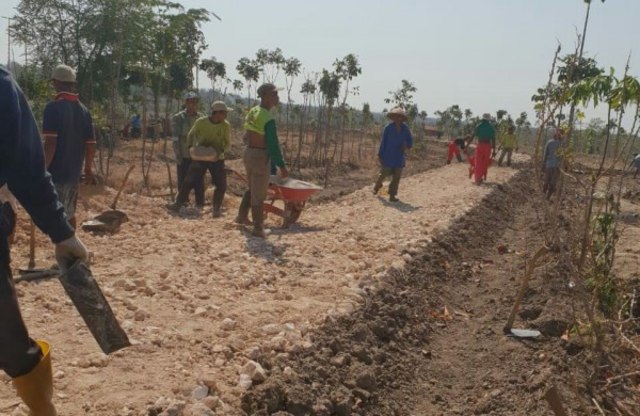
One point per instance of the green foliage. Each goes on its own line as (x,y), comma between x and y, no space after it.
(570,72)
(450,119)
(601,278)
(250,71)
(92,35)
(403,96)
(269,63)
(36,87)
(215,70)
(329,85)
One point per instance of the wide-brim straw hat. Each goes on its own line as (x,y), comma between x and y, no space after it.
(220,106)
(397,111)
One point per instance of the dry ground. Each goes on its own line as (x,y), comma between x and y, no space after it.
(345,311)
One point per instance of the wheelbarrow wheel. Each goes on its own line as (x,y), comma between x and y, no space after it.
(292,211)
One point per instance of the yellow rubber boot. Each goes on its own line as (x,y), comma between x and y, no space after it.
(36,387)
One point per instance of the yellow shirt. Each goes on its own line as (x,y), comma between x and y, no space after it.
(509,141)
(207,134)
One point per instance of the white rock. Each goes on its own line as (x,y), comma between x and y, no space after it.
(200,392)
(255,371)
(228,324)
(200,311)
(271,329)
(245,381)
(398,265)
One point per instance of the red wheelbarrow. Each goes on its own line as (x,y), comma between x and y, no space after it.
(293,192)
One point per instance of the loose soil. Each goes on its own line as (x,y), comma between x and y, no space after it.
(363,308)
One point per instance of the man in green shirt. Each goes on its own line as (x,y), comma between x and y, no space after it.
(263,148)
(207,141)
(181,124)
(508,142)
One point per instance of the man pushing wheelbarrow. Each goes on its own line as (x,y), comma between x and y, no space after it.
(262,148)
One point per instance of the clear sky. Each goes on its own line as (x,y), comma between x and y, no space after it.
(480,54)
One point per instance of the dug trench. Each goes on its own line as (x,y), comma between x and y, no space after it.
(429,340)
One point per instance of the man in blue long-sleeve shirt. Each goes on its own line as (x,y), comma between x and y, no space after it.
(396,140)
(22,168)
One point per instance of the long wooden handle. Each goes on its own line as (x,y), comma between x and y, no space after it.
(32,245)
(523,287)
(124,181)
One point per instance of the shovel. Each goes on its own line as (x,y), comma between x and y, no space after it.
(508,328)
(31,271)
(90,302)
(110,220)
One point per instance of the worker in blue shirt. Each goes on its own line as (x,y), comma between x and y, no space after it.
(22,169)
(396,140)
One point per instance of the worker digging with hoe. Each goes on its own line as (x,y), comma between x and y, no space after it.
(68,140)
(208,140)
(262,148)
(396,140)
(22,168)
(454,148)
(181,124)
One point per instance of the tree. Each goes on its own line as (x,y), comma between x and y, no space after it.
(403,96)
(215,70)
(329,87)
(450,119)
(291,70)
(93,35)
(346,69)
(269,63)
(250,71)
(307,90)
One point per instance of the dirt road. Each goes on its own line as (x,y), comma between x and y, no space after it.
(201,299)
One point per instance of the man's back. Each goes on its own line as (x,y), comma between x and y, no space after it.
(69,120)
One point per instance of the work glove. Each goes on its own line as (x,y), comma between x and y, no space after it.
(69,251)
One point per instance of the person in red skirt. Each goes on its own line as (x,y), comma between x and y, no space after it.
(485,133)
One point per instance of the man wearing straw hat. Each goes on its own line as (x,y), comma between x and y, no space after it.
(208,140)
(396,140)
(486,135)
